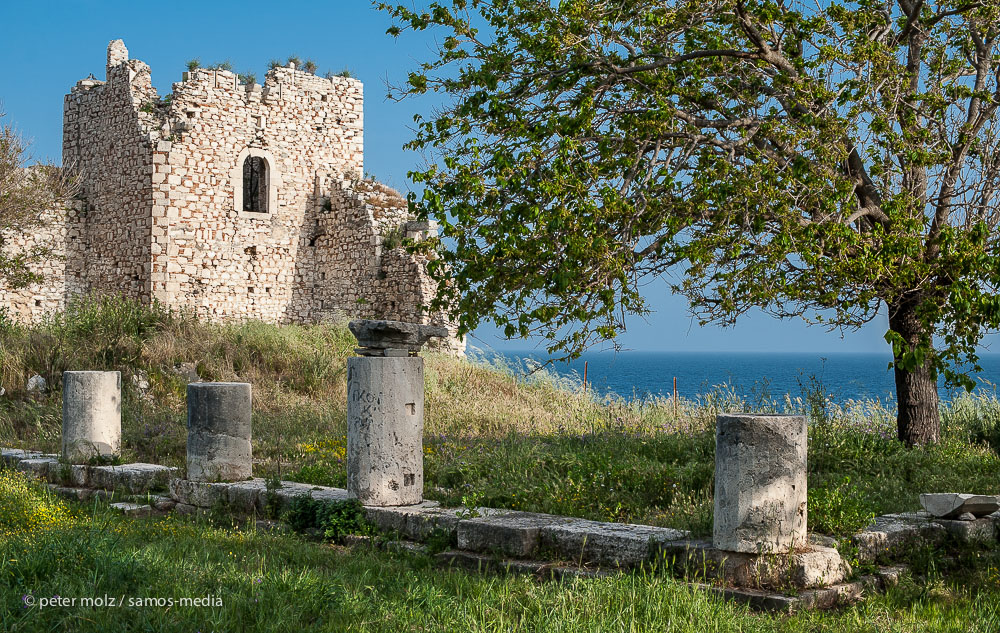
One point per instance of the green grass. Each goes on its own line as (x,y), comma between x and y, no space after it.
(493,435)
(268,582)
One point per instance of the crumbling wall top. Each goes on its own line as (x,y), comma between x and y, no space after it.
(117,54)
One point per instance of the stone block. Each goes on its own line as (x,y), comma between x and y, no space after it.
(133,479)
(218,443)
(289,490)
(38,466)
(805,568)
(415,522)
(760,483)
(79,475)
(199,493)
(514,534)
(163,504)
(11,456)
(950,505)
(92,415)
(616,544)
(385,412)
(892,534)
(75,494)
(134,510)
(248,496)
(981,530)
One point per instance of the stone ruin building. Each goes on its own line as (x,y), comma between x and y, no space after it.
(232,201)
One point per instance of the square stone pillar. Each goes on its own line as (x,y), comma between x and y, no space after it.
(760,483)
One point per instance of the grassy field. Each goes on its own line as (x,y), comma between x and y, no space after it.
(54,554)
(493,436)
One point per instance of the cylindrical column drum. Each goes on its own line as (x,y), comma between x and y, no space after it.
(218,442)
(92,415)
(760,483)
(385,427)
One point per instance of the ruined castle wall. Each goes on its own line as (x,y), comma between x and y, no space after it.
(210,255)
(58,232)
(160,213)
(361,265)
(106,144)
(350,232)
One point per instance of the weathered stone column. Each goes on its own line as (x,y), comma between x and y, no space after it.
(760,483)
(385,413)
(218,442)
(92,414)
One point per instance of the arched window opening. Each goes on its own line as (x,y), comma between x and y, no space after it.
(255,184)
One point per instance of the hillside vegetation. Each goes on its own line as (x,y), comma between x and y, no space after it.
(494,435)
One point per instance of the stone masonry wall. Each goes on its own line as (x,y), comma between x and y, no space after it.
(60,232)
(107,146)
(211,256)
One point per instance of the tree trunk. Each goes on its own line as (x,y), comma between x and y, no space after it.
(917,420)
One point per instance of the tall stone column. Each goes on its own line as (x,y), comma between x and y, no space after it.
(385,413)
(92,415)
(760,483)
(218,442)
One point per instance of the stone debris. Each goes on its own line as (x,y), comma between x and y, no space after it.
(187,371)
(36,384)
(950,505)
(140,380)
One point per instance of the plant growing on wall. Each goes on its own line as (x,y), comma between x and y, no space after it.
(833,160)
(193,64)
(223,65)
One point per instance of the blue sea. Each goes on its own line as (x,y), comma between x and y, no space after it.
(841,376)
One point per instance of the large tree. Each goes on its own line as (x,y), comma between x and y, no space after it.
(26,193)
(818,159)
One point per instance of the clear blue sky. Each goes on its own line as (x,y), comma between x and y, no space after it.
(47,46)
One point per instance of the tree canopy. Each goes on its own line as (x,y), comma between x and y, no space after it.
(820,159)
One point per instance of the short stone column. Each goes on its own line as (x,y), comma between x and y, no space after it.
(92,415)
(385,413)
(760,483)
(218,442)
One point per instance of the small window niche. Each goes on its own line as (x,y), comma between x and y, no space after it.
(255,184)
